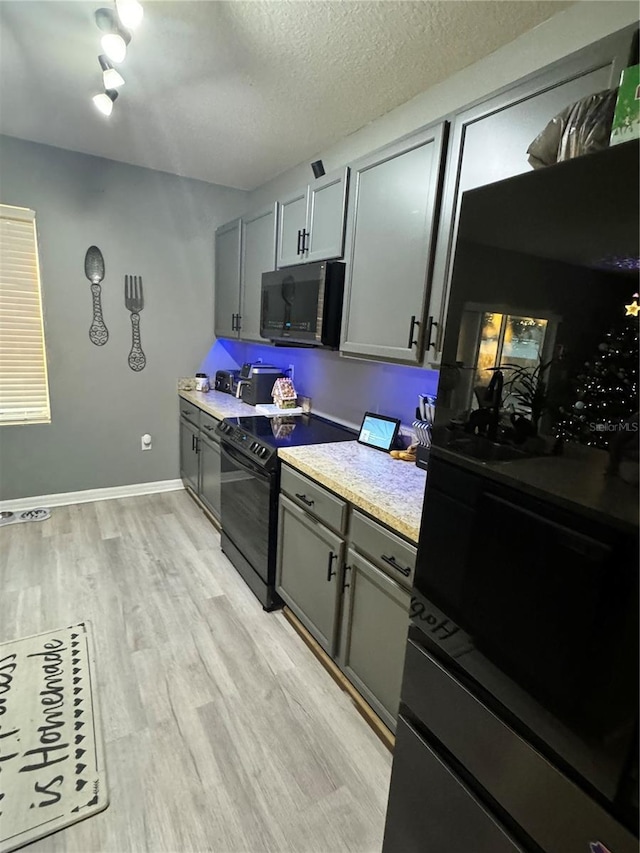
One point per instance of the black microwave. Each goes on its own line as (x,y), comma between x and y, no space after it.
(302,305)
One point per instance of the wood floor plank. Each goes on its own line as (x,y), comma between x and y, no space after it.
(223,732)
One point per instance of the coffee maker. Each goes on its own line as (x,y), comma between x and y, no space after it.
(256,382)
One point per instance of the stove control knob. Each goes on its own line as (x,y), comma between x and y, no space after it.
(263,452)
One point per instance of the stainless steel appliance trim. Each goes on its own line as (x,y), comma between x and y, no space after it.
(550,808)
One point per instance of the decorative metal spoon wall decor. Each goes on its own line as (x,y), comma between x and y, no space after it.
(94,271)
(134,302)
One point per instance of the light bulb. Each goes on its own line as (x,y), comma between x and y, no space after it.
(111,79)
(130,13)
(114,46)
(104,102)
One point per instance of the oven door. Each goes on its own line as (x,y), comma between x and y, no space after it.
(247,511)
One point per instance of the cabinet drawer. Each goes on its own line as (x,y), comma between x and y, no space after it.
(386,550)
(208,425)
(314,499)
(189,412)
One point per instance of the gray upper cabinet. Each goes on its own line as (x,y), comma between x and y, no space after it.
(309,571)
(292,222)
(326,209)
(374,635)
(390,230)
(489,142)
(226,292)
(258,255)
(312,221)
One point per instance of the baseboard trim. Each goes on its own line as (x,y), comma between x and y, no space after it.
(90,495)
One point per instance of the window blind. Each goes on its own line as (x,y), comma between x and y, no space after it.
(24,387)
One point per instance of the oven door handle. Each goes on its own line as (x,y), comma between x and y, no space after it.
(241,461)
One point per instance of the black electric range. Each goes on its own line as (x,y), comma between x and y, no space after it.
(250,483)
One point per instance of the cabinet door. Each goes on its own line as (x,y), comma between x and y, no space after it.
(326,209)
(258,256)
(374,635)
(489,143)
(392,206)
(226,291)
(431,809)
(292,221)
(188,454)
(309,576)
(210,474)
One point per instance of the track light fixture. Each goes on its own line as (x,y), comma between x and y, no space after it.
(115,39)
(116,25)
(104,101)
(110,77)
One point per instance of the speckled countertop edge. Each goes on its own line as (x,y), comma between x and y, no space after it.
(217,404)
(389,490)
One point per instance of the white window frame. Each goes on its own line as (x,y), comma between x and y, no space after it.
(24,379)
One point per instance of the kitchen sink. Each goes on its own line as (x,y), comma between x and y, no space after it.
(485,450)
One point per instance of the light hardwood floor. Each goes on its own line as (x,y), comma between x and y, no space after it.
(223,732)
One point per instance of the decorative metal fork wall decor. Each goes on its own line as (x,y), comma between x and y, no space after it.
(134,302)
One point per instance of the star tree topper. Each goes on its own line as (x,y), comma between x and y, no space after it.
(632,310)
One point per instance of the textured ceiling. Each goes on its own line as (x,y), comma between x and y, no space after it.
(236,92)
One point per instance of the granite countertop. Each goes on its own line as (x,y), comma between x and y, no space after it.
(217,404)
(387,489)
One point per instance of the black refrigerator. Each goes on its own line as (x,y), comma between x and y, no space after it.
(518,726)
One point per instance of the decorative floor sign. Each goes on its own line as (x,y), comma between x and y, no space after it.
(52,771)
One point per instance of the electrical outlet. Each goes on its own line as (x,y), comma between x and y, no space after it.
(292,370)
(145,441)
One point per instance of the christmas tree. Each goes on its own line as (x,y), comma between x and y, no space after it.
(605,392)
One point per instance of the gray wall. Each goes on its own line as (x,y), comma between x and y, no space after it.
(147,223)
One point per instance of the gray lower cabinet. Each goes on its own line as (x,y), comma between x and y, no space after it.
(489,142)
(226,291)
(189,470)
(209,453)
(373,635)
(200,455)
(391,226)
(258,255)
(353,599)
(309,574)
